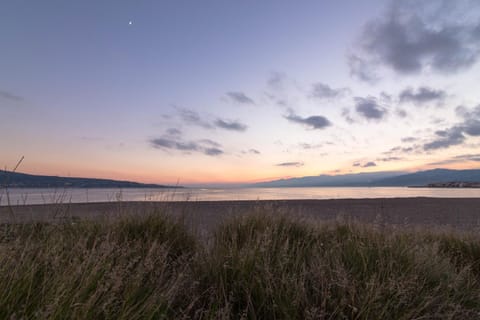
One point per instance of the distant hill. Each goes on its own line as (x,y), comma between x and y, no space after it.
(423,178)
(23,180)
(344,180)
(378,179)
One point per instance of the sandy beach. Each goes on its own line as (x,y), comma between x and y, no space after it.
(457,213)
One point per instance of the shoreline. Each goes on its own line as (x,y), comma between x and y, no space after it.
(458,213)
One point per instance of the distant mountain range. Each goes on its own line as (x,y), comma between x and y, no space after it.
(438,177)
(22,180)
(378,179)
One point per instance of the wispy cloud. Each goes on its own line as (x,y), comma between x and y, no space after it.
(309,146)
(290,164)
(388,159)
(276,81)
(471,157)
(403,150)
(205,146)
(232,125)
(321,90)
(213,151)
(347,116)
(361,69)
(210,142)
(457,159)
(457,134)
(10,96)
(364,165)
(422,95)
(240,97)
(173,132)
(409,139)
(445,138)
(251,151)
(313,122)
(401,113)
(369,164)
(192,117)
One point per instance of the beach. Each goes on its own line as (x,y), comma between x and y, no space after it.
(458,213)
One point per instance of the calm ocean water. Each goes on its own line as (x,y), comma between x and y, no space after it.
(44,196)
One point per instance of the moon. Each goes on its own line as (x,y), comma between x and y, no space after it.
(130,22)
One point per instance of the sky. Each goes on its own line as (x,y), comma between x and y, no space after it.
(192,92)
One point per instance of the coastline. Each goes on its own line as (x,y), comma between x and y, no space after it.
(457,213)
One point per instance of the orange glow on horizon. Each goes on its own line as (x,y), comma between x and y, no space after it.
(238,177)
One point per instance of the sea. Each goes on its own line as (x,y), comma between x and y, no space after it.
(21,196)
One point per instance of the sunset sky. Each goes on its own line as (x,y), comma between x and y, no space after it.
(238,91)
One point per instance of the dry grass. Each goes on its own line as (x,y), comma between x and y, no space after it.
(253,267)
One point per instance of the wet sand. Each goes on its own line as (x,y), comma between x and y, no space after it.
(458,213)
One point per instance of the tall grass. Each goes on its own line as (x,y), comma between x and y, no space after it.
(132,268)
(252,267)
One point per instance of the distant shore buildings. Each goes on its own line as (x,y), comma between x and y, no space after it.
(454,184)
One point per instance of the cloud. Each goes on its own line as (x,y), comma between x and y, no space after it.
(457,159)
(369,108)
(210,142)
(471,157)
(361,69)
(471,123)
(212,151)
(472,127)
(309,146)
(455,135)
(313,122)
(445,138)
(422,95)
(401,113)
(386,97)
(251,151)
(240,97)
(230,125)
(254,151)
(416,36)
(10,96)
(281,102)
(200,146)
(462,111)
(369,164)
(346,115)
(276,80)
(173,132)
(192,117)
(172,144)
(365,165)
(399,149)
(409,139)
(388,159)
(466,113)
(323,91)
(290,164)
